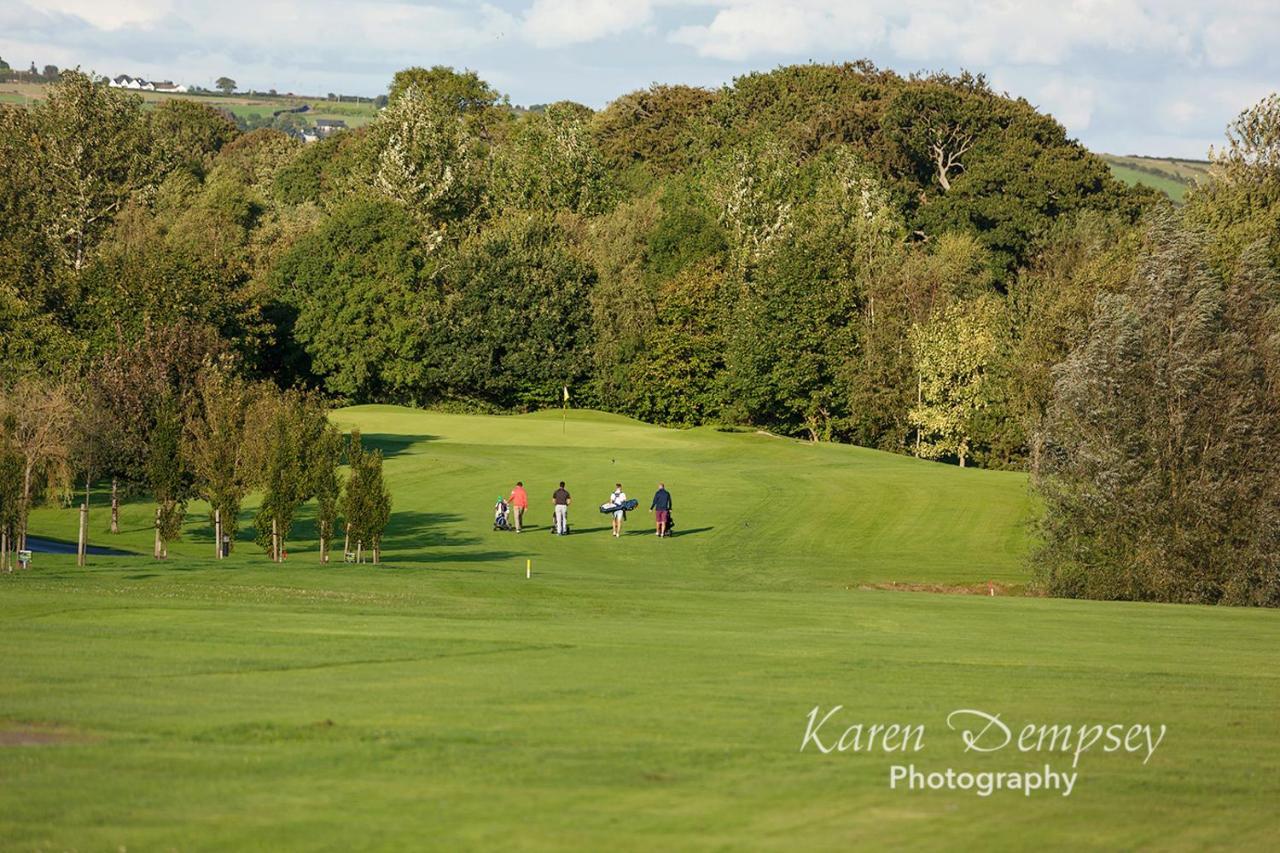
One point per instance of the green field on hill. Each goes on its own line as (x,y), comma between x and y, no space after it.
(636,693)
(355,114)
(1172,176)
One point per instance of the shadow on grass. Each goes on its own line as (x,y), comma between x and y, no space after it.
(393,445)
(675,534)
(45,545)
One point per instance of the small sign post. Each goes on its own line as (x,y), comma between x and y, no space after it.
(24,559)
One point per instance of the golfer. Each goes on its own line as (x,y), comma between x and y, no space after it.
(661,508)
(619,515)
(519,503)
(561,499)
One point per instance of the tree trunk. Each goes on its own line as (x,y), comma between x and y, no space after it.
(26,507)
(346,542)
(324,550)
(115,507)
(157,550)
(275,542)
(359,551)
(217,534)
(82,543)
(4,551)
(377,549)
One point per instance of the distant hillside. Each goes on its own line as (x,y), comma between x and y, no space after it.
(252,109)
(1171,176)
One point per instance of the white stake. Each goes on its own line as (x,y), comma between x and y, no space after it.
(528,569)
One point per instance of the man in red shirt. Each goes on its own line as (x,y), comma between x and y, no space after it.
(519,503)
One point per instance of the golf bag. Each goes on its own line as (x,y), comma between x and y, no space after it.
(625,506)
(671,523)
(500,511)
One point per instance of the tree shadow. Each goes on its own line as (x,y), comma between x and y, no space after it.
(393,444)
(46,545)
(411,528)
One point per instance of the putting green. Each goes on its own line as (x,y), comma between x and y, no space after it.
(636,692)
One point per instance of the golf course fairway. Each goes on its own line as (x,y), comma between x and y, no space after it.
(634,693)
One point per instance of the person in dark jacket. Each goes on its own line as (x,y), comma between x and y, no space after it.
(661,508)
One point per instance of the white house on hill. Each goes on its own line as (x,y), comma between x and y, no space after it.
(124,81)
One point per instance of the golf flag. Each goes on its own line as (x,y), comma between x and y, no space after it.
(566,395)
(564,412)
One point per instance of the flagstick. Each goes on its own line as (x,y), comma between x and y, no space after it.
(528,569)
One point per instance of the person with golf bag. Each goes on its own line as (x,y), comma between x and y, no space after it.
(661,508)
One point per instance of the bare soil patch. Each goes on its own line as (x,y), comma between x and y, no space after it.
(989,589)
(38,734)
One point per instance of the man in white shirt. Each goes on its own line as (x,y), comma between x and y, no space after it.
(619,515)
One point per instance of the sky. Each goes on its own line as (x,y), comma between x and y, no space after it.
(1123,76)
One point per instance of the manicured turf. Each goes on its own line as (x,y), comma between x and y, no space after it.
(636,693)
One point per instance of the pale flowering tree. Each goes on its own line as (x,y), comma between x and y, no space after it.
(552,162)
(89,155)
(752,189)
(424,159)
(852,209)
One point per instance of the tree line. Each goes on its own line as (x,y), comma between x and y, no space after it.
(180,434)
(833,252)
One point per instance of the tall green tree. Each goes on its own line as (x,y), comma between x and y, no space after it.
(1158,476)
(359,311)
(11,502)
(1240,204)
(168,472)
(216,445)
(953,355)
(366,501)
(324,455)
(514,325)
(290,423)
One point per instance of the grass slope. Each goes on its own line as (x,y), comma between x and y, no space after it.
(636,693)
(1172,176)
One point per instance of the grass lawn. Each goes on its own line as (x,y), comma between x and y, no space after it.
(636,693)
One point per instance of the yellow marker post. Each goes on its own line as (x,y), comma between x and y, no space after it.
(528,569)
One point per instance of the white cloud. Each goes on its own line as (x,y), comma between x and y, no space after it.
(1125,75)
(556,23)
(758,28)
(111,14)
(1071,102)
(986,32)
